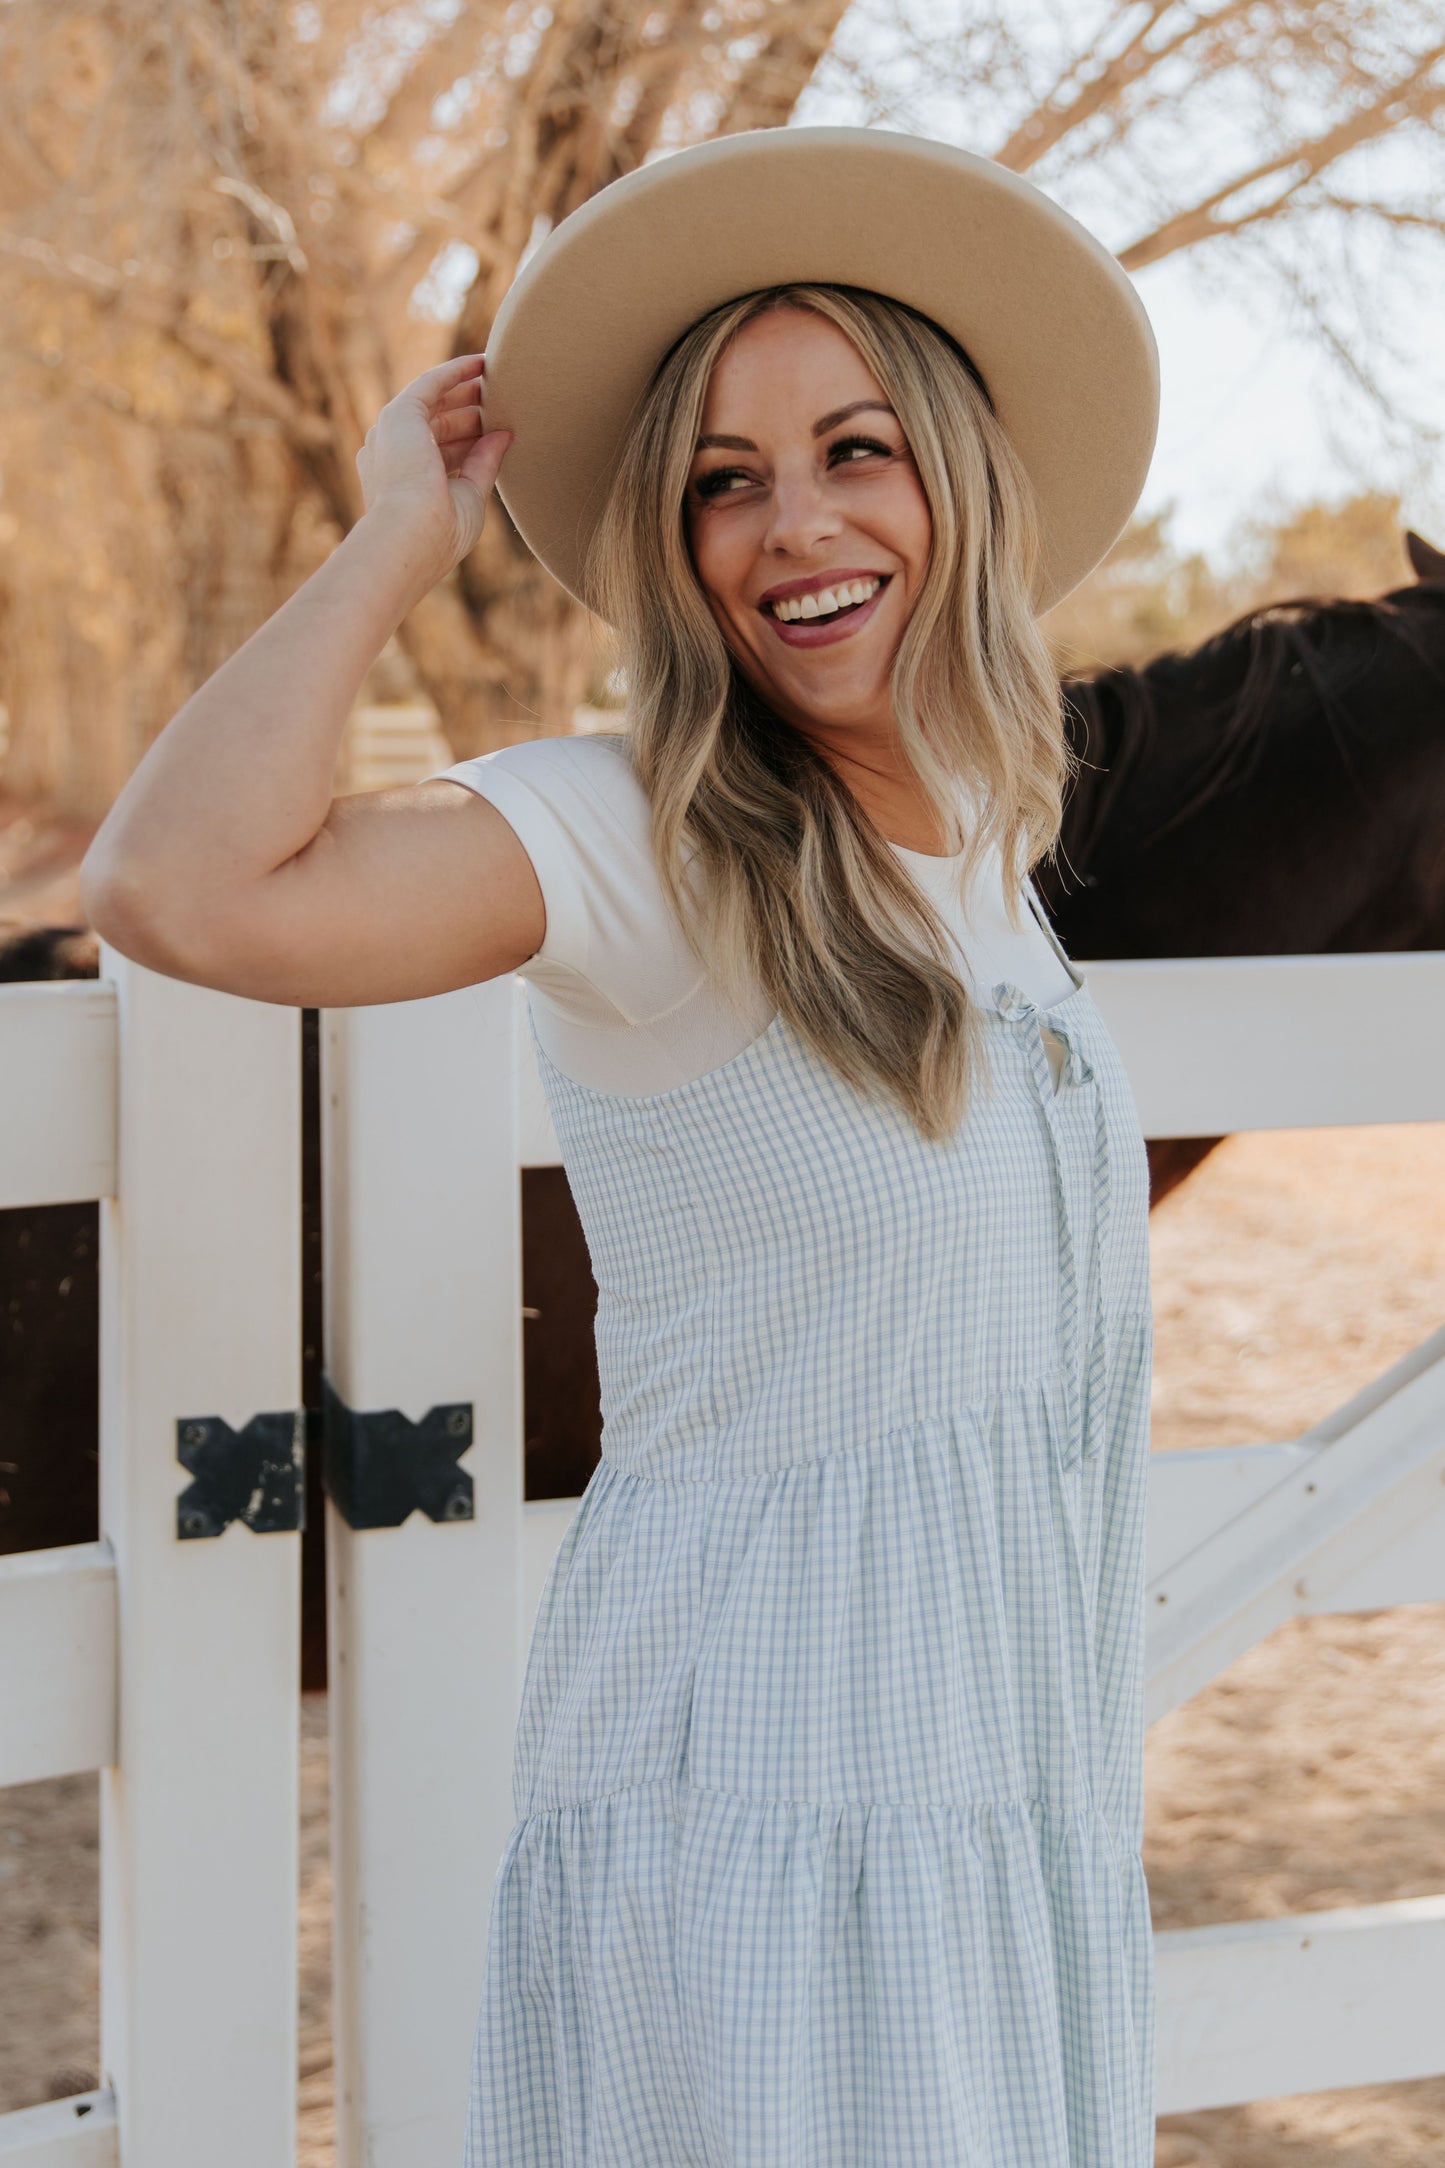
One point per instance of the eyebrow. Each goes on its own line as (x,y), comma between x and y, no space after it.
(841,414)
(820,427)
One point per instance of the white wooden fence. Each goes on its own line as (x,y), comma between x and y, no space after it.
(170,1664)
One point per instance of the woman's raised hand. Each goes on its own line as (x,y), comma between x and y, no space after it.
(429,460)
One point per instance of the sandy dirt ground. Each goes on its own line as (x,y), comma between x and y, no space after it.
(1287,1272)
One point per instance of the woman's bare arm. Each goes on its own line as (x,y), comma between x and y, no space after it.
(226,861)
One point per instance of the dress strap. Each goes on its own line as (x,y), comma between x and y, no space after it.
(1052,938)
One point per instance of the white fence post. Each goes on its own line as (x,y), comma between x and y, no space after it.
(422,1239)
(200,1316)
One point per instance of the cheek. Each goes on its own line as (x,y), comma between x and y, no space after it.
(721,558)
(914,523)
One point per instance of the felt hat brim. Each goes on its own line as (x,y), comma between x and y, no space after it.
(1048,315)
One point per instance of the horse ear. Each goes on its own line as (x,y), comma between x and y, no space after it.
(1429,562)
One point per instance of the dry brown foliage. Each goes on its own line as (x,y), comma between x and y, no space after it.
(215,216)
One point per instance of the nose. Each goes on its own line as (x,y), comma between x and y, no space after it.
(799,514)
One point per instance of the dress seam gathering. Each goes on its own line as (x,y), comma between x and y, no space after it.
(1090,1812)
(1139,1312)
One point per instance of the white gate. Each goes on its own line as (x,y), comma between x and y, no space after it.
(171,1664)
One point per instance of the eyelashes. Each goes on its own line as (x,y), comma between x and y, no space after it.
(865,444)
(715,483)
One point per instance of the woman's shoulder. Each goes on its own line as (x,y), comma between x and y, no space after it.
(590,769)
(615,986)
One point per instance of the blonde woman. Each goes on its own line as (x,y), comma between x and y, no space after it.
(828,1774)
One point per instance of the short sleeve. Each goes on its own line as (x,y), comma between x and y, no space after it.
(522,782)
(611,957)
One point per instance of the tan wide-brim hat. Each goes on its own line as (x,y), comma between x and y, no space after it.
(1049,317)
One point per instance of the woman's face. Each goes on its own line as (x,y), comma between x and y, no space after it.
(809,529)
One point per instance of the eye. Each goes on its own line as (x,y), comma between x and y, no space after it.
(866,446)
(718,481)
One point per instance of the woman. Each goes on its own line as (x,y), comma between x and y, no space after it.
(828,1772)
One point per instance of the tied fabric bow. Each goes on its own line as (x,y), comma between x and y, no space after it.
(1086,1385)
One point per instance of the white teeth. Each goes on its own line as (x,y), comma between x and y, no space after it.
(801,608)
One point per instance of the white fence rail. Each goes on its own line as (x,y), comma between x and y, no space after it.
(171,1665)
(58,1135)
(75,2133)
(57,1705)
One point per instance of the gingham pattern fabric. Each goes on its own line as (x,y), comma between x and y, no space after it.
(829,1767)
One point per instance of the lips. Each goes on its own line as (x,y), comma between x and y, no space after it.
(840,623)
(826,595)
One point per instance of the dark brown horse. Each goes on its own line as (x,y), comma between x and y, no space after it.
(1278,791)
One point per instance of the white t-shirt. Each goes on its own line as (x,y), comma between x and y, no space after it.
(619,1001)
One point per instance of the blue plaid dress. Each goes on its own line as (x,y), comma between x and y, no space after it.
(829,1767)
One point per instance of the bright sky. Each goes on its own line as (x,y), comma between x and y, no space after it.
(1250,408)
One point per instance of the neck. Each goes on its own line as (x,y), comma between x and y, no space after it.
(869,759)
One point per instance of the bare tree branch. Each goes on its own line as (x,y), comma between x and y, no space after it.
(1078,94)
(1414,96)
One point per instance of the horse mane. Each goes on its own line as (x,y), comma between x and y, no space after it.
(1233,680)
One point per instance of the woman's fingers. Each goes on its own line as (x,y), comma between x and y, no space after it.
(484,458)
(458,422)
(468,393)
(449,403)
(453,384)
(432,382)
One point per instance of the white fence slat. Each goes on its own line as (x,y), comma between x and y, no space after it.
(57,1092)
(1260,2008)
(57,1690)
(76,2133)
(1223,1043)
(1194,1492)
(422,1220)
(1410,1568)
(1310,1543)
(200,1315)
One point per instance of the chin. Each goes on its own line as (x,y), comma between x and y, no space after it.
(841,697)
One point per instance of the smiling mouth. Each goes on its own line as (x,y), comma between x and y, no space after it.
(827,605)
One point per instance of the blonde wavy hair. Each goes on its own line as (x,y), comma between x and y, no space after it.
(776,873)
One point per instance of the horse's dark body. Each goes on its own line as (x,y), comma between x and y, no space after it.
(1281,791)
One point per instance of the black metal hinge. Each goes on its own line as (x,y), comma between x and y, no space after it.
(256,1475)
(379,1466)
